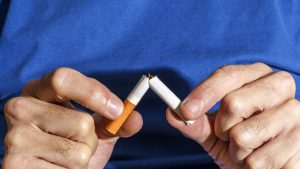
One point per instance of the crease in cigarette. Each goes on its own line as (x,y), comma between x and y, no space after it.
(129,104)
(168,97)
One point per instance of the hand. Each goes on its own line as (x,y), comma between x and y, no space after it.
(258,122)
(46,132)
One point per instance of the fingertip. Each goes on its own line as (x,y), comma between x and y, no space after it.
(173,119)
(176,122)
(131,126)
(192,108)
(193,132)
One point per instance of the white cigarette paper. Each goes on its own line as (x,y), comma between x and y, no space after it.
(139,90)
(168,97)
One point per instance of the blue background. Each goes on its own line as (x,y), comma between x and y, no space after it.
(118,41)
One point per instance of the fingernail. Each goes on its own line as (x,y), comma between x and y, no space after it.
(192,108)
(115,106)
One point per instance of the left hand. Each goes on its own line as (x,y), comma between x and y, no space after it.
(258,122)
(46,131)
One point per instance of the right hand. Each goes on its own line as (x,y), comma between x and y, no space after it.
(257,124)
(46,132)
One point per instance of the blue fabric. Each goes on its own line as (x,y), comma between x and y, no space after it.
(118,41)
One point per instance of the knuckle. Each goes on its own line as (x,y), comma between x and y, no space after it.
(287,79)
(254,162)
(95,92)
(63,147)
(61,112)
(294,103)
(93,142)
(293,106)
(255,126)
(210,90)
(84,155)
(14,138)
(228,70)
(86,125)
(283,75)
(15,106)
(57,78)
(12,161)
(233,104)
(238,137)
(244,133)
(263,66)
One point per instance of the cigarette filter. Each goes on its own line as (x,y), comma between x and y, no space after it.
(168,97)
(129,104)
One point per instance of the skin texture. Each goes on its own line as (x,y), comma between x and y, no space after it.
(258,113)
(46,132)
(257,125)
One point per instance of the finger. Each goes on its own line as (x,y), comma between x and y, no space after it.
(55,119)
(42,164)
(24,139)
(131,126)
(202,132)
(276,153)
(24,161)
(72,124)
(293,163)
(219,84)
(252,133)
(61,151)
(107,141)
(265,93)
(67,84)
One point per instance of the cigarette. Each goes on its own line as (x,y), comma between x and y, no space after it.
(168,97)
(129,104)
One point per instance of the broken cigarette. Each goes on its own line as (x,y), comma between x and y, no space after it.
(168,97)
(136,95)
(129,104)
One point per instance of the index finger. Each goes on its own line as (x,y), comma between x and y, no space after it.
(218,85)
(66,84)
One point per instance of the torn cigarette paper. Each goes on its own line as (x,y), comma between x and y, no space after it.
(136,95)
(129,104)
(139,90)
(168,97)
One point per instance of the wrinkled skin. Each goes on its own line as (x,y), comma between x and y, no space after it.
(258,113)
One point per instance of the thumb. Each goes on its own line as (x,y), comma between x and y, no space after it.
(202,132)
(107,141)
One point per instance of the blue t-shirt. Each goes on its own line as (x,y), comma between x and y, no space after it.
(117,41)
